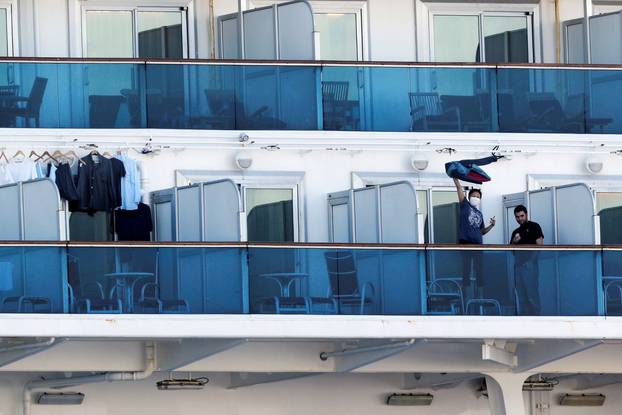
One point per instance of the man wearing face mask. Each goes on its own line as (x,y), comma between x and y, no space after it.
(471,230)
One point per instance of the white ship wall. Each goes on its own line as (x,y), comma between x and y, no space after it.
(343,394)
(395,30)
(323,172)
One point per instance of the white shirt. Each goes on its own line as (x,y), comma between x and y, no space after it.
(5,175)
(22,169)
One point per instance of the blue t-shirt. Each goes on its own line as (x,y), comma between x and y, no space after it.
(471,223)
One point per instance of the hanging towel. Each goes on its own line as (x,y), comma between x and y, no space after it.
(130,184)
(469,170)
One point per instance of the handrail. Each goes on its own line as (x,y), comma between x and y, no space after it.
(310,245)
(262,62)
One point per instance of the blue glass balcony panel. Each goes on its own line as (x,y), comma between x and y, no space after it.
(452,99)
(242,279)
(145,280)
(32,279)
(232,97)
(542,100)
(361,97)
(602,106)
(336,281)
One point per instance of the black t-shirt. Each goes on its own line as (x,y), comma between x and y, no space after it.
(529,232)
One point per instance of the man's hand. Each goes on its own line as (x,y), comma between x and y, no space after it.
(490,226)
(516,238)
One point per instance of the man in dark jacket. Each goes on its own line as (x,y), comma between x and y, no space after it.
(526,262)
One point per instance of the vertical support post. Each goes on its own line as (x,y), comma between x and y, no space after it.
(22,225)
(505,393)
(241,30)
(558,34)
(246,298)
(601,295)
(587,12)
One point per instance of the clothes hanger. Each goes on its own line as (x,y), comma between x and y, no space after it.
(19,152)
(2,155)
(107,154)
(34,153)
(74,157)
(50,156)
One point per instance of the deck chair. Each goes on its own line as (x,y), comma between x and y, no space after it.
(445,296)
(483,306)
(7,95)
(91,299)
(336,107)
(428,113)
(20,303)
(150,299)
(222,108)
(88,297)
(26,107)
(335,90)
(103,110)
(546,113)
(285,305)
(345,287)
(613,297)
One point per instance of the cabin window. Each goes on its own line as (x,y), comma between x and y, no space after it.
(341,25)
(482,37)
(6,30)
(339,38)
(271,214)
(609,207)
(136,33)
(438,212)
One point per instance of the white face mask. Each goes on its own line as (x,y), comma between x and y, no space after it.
(475,201)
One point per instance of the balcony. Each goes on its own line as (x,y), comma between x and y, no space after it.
(241,278)
(218,95)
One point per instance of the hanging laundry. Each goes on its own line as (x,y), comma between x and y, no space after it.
(134,225)
(22,169)
(41,170)
(469,170)
(64,181)
(130,184)
(5,175)
(118,172)
(96,189)
(52,172)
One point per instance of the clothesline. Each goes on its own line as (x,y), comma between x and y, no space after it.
(94,182)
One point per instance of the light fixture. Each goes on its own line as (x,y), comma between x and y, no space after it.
(594,165)
(60,398)
(243,160)
(582,399)
(419,164)
(538,385)
(410,399)
(182,384)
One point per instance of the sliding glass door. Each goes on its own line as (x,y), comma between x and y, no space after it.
(135,33)
(483,37)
